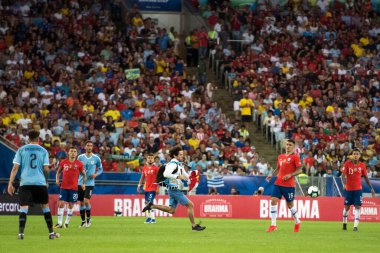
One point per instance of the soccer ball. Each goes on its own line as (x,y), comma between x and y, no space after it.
(313,191)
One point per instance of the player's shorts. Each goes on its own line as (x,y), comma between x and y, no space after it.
(287,192)
(150,196)
(176,196)
(353,198)
(70,196)
(87,193)
(246,118)
(33,194)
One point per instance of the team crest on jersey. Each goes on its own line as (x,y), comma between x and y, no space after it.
(289,159)
(359,169)
(92,162)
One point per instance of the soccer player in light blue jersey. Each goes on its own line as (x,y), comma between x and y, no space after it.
(93,168)
(33,161)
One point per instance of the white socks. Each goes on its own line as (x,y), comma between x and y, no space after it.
(152,215)
(357,217)
(273,214)
(60,215)
(345,214)
(293,210)
(68,216)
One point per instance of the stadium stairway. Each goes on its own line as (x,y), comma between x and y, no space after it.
(224,99)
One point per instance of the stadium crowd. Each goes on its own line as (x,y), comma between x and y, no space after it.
(312,70)
(76,70)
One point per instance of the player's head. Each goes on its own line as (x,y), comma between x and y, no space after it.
(177,153)
(290,145)
(356,154)
(34,135)
(150,158)
(88,146)
(73,152)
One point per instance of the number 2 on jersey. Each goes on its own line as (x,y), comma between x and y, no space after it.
(33,158)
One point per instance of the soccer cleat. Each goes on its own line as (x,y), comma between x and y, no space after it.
(198,227)
(297,227)
(83,224)
(271,228)
(147,207)
(356,229)
(88,224)
(153,221)
(66,225)
(58,226)
(148,220)
(54,235)
(20,236)
(344,226)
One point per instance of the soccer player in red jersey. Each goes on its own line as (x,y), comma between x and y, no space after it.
(70,169)
(353,170)
(149,173)
(288,166)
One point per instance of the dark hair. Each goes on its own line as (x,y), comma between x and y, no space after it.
(292,141)
(34,135)
(174,151)
(356,150)
(88,141)
(72,147)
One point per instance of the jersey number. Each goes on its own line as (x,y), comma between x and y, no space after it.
(350,171)
(33,157)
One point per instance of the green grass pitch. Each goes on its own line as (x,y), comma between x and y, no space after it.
(121,234)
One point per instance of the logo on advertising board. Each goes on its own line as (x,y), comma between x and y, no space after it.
(216,208)
(369,211)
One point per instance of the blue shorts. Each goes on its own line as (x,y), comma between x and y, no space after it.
(176,196)
(150,196)
(70,196)
(353,198)
(287,192)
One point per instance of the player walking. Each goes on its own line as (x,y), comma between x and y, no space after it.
(353,170)
(70,169)
(288,166)
(93,168)
(149,174)
(33,160)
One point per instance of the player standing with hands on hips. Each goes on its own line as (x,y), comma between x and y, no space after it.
(288,166)
(149,174)
(70,169)
(93,168)
(173,175)
(33,161)
(353,170)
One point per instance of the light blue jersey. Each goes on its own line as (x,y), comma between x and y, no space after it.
(31,158)
(90,165)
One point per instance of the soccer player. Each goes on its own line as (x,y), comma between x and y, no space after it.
(33,161)
(93,168)
(353,170)
(149,173)
(288,166)
(70,169)
(174,174)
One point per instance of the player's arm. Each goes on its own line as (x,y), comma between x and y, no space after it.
(100,170)
(343,177)
(84,178)
(14,171)
(46,174)
(142,178)
(274,173)
(369,184)
(58,175)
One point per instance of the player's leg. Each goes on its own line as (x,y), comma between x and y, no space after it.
(348,201)
(25,199)
(152,196)
(276,196)
(357,205)
(173,203)
(72,200)
(63,197)
(87,203)
(41,196)
(148,199)
(288,193)
(82,208)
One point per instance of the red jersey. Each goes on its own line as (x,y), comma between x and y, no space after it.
(287,164)
(354,173)
(150,173)
(70,173)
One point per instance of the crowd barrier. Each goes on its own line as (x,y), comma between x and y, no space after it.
(236,207)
